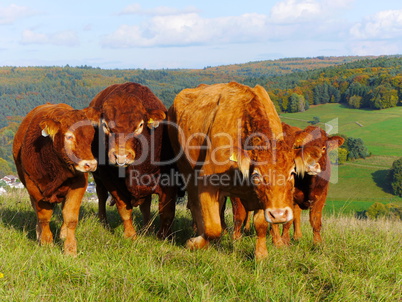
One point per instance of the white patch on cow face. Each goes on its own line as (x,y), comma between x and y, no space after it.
(45,133)
(139,128)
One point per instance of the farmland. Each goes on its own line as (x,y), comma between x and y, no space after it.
(381,131)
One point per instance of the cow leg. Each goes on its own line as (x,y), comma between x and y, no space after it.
(145,208)
(71,210)
(276,235)
(103,195)
(297,232)
(207,216)
(285,232)
(126,214)
(222,201)
(167,210)
(247,219)
(44,212)
(239,216)
(261,228)
(316,219)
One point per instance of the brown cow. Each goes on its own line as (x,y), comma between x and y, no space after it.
(129,143)
(228,141)
(52,152)
(311,188)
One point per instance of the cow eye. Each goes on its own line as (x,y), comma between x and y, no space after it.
(69,137)
(139,128)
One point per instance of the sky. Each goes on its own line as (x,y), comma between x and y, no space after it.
(123,34)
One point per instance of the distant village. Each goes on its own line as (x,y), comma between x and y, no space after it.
(12,181)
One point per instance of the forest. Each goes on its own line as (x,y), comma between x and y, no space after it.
(293,84)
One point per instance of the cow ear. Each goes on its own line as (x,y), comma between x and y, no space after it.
(335,142)
(301,138)
(49,128)
(154,118)
(93,114)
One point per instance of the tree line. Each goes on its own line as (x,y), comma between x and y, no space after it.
(370,83)
(293,84)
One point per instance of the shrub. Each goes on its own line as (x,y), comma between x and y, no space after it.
(379,210)
(396,177)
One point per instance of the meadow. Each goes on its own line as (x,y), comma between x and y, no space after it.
(360,260)
(358,184)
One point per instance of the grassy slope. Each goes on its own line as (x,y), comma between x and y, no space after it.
(349,266)
(361,180)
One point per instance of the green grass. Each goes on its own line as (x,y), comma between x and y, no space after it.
(360,260)
(381,131)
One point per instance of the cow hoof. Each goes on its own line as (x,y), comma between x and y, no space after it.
(261,253)
(70,251)
(197,243)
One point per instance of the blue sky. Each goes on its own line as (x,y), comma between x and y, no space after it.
(193,34)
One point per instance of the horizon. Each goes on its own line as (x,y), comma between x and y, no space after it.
(205,67)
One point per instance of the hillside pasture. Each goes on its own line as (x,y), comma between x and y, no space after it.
(380,130)
(360,260)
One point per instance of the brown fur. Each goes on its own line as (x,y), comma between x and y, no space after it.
(47,165)
(223,128)
(122,107)
(312,146)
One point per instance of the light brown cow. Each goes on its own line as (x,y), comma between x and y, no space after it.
(52,152)
(228,139)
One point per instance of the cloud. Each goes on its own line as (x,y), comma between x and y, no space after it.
(189,29)
(295,10)
(136,9)
(383,25)
(62,38)
(292,11)
(12,13)
(288,19)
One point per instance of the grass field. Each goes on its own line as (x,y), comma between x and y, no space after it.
(381,131)
(360,260)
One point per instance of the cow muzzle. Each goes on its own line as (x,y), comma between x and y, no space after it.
(121,157)
(281,215)
(87,165)
(313,169)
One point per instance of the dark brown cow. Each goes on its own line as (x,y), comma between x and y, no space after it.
(131,140)
(229,141)
(52,152)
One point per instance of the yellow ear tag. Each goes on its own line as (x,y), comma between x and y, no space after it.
(152,123)
(233,157)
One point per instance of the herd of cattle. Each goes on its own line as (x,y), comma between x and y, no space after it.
(216,141)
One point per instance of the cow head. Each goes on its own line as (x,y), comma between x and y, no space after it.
(312,146)
(123,119)
(271,174)
(71,134)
